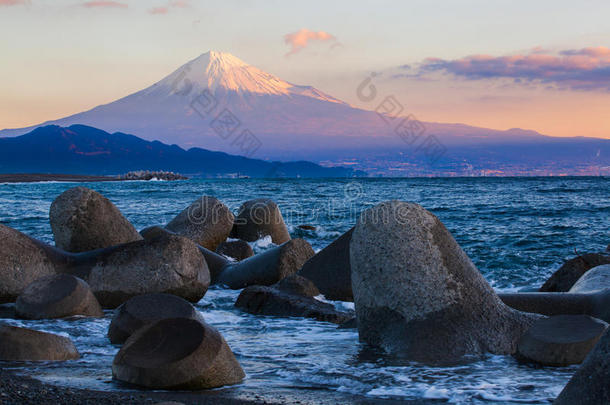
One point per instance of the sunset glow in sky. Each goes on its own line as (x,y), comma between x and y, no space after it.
(542,65)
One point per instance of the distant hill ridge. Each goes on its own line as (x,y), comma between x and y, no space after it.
(86,150)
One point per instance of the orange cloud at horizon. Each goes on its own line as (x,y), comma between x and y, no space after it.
(300,40)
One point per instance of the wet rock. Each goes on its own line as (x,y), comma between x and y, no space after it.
(351,324)
(166,264)
(57,296)
(330,269)
(564,278)
(259,218)
(22,261)
(595,280)
(206,221)
(418,295)
(307,227)
(268,267)
(147,309)
(83,220)
(236,249)
(262,300)
(589,385)
(177,354)
(297,285)
(21,344)
(560,340)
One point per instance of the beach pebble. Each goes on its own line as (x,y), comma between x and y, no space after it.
(83,219)
(560,340)
(268,267)
(57,296)
(177,354)
(168,264)
(259,218)
(565,277)
(146,309)
(418,295)
(21,344)
(297,285)
(591,382)
(595,280)
(22,261)
(236,249)
(261,300)
(331,271)
(207,222)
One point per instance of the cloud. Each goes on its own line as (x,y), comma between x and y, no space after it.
(104,4)
(158,10)
(13,2)
(576,69)
(300,40)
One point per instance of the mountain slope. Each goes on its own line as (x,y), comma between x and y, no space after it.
(87,150)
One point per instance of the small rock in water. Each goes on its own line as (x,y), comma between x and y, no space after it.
(177,354)
(259,218)
(21,344)
(590,384)
(147,309)
(307,227)
(560,340)
(57,296)
(565,277)
(236,249)
(83,220)
(263,300)
(207,221)
(295,284)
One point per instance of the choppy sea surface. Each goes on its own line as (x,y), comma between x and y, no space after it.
(516,230)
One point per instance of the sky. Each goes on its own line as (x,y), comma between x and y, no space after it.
(540,65)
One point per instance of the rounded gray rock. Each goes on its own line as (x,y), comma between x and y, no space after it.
(593,281)
(146,309)
(83,220)
(235,249)
(206,221)
(565,277)
(259,218)
(560,340)
(297,285)
(418,295)
(177,354)
(167,264)
(21,344)
(22,261)
(57,296)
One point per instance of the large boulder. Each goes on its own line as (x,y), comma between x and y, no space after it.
(418,295)
(565,277)
(268,267)
(147,309)
(22,261)
(330,269)
(206,221)
(177,354)
(261,300)
(235,249)
(57,296)
(593,281)
(21,344)
(560,340)
(167,264)
(259,218)
(83,220)
(590,384)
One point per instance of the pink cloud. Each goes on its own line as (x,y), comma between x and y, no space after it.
(13,2)
(104,4)
(300,40)
(158,10)
(581,69)
(180,4)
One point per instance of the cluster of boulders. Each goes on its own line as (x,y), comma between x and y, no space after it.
(150,175)
(417,295)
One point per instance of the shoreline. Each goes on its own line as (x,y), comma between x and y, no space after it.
(41,177)
(16,388)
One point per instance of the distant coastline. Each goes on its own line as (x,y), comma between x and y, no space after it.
(80,178)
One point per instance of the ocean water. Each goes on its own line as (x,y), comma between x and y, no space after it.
(517,231)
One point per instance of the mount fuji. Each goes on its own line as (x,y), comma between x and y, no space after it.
(218,102)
